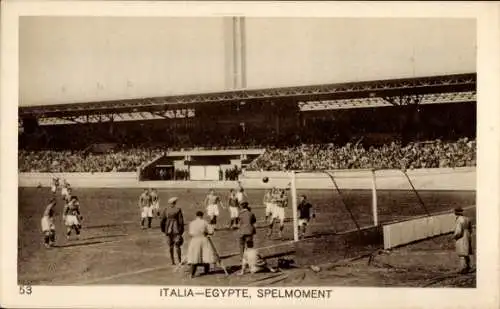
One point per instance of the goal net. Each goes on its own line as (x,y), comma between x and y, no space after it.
(350,200)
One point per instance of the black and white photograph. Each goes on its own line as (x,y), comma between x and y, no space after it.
(242,157)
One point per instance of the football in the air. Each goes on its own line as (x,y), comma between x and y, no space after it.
(265,179)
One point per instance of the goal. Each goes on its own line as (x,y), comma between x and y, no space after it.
(356,199)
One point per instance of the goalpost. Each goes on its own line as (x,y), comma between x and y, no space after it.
(369,177)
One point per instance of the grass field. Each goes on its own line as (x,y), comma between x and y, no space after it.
(114,250)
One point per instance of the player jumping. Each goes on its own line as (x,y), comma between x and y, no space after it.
(241,195)
(305,213)
(234,209)
(73,217)
(145,208)
(280,201)
(48,226)
(212,203)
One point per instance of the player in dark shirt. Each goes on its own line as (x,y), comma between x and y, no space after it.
(305,213)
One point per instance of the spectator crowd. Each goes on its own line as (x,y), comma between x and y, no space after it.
(305,157)
(127,160)
(393,156)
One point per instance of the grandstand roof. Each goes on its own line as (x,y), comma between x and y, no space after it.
(351,90)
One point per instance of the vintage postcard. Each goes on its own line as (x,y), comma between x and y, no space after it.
(336,155)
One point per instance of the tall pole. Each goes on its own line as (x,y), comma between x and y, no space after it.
(293,190)
(235,53)
(243,53)
(374,199)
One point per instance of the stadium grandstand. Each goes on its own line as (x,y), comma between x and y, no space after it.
(399,123)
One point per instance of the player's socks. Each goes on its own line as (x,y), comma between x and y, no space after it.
(270,230)
(46,240)
(52,237)
(171,252)
(77,232)
(179,254)
(150,219)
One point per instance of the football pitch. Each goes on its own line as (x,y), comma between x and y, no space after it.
(113,249)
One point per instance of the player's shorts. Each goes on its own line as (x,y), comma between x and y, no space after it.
(212,210)
(174,240)
(53,189)
(71,220)
(279,213)
(234,212)
(147,211)
(269,208)
(156,206)
(48,224)
(64,192)
(213,220)
(302,222)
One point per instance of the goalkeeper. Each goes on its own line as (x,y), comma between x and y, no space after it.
(305,213)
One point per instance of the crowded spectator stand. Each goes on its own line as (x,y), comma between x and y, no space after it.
(431,154)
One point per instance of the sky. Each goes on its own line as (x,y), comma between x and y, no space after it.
(88,59)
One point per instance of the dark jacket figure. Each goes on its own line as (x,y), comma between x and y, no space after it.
(172,224)
(463,239)
(247,227)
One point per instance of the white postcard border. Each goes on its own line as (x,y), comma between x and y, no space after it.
(484,296)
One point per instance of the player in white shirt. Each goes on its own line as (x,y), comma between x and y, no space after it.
(212,203)
(145,209)
(241,196)
(155,202)
(268,203)
(254,261)
(280,202)
(65,189)
(54,185)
